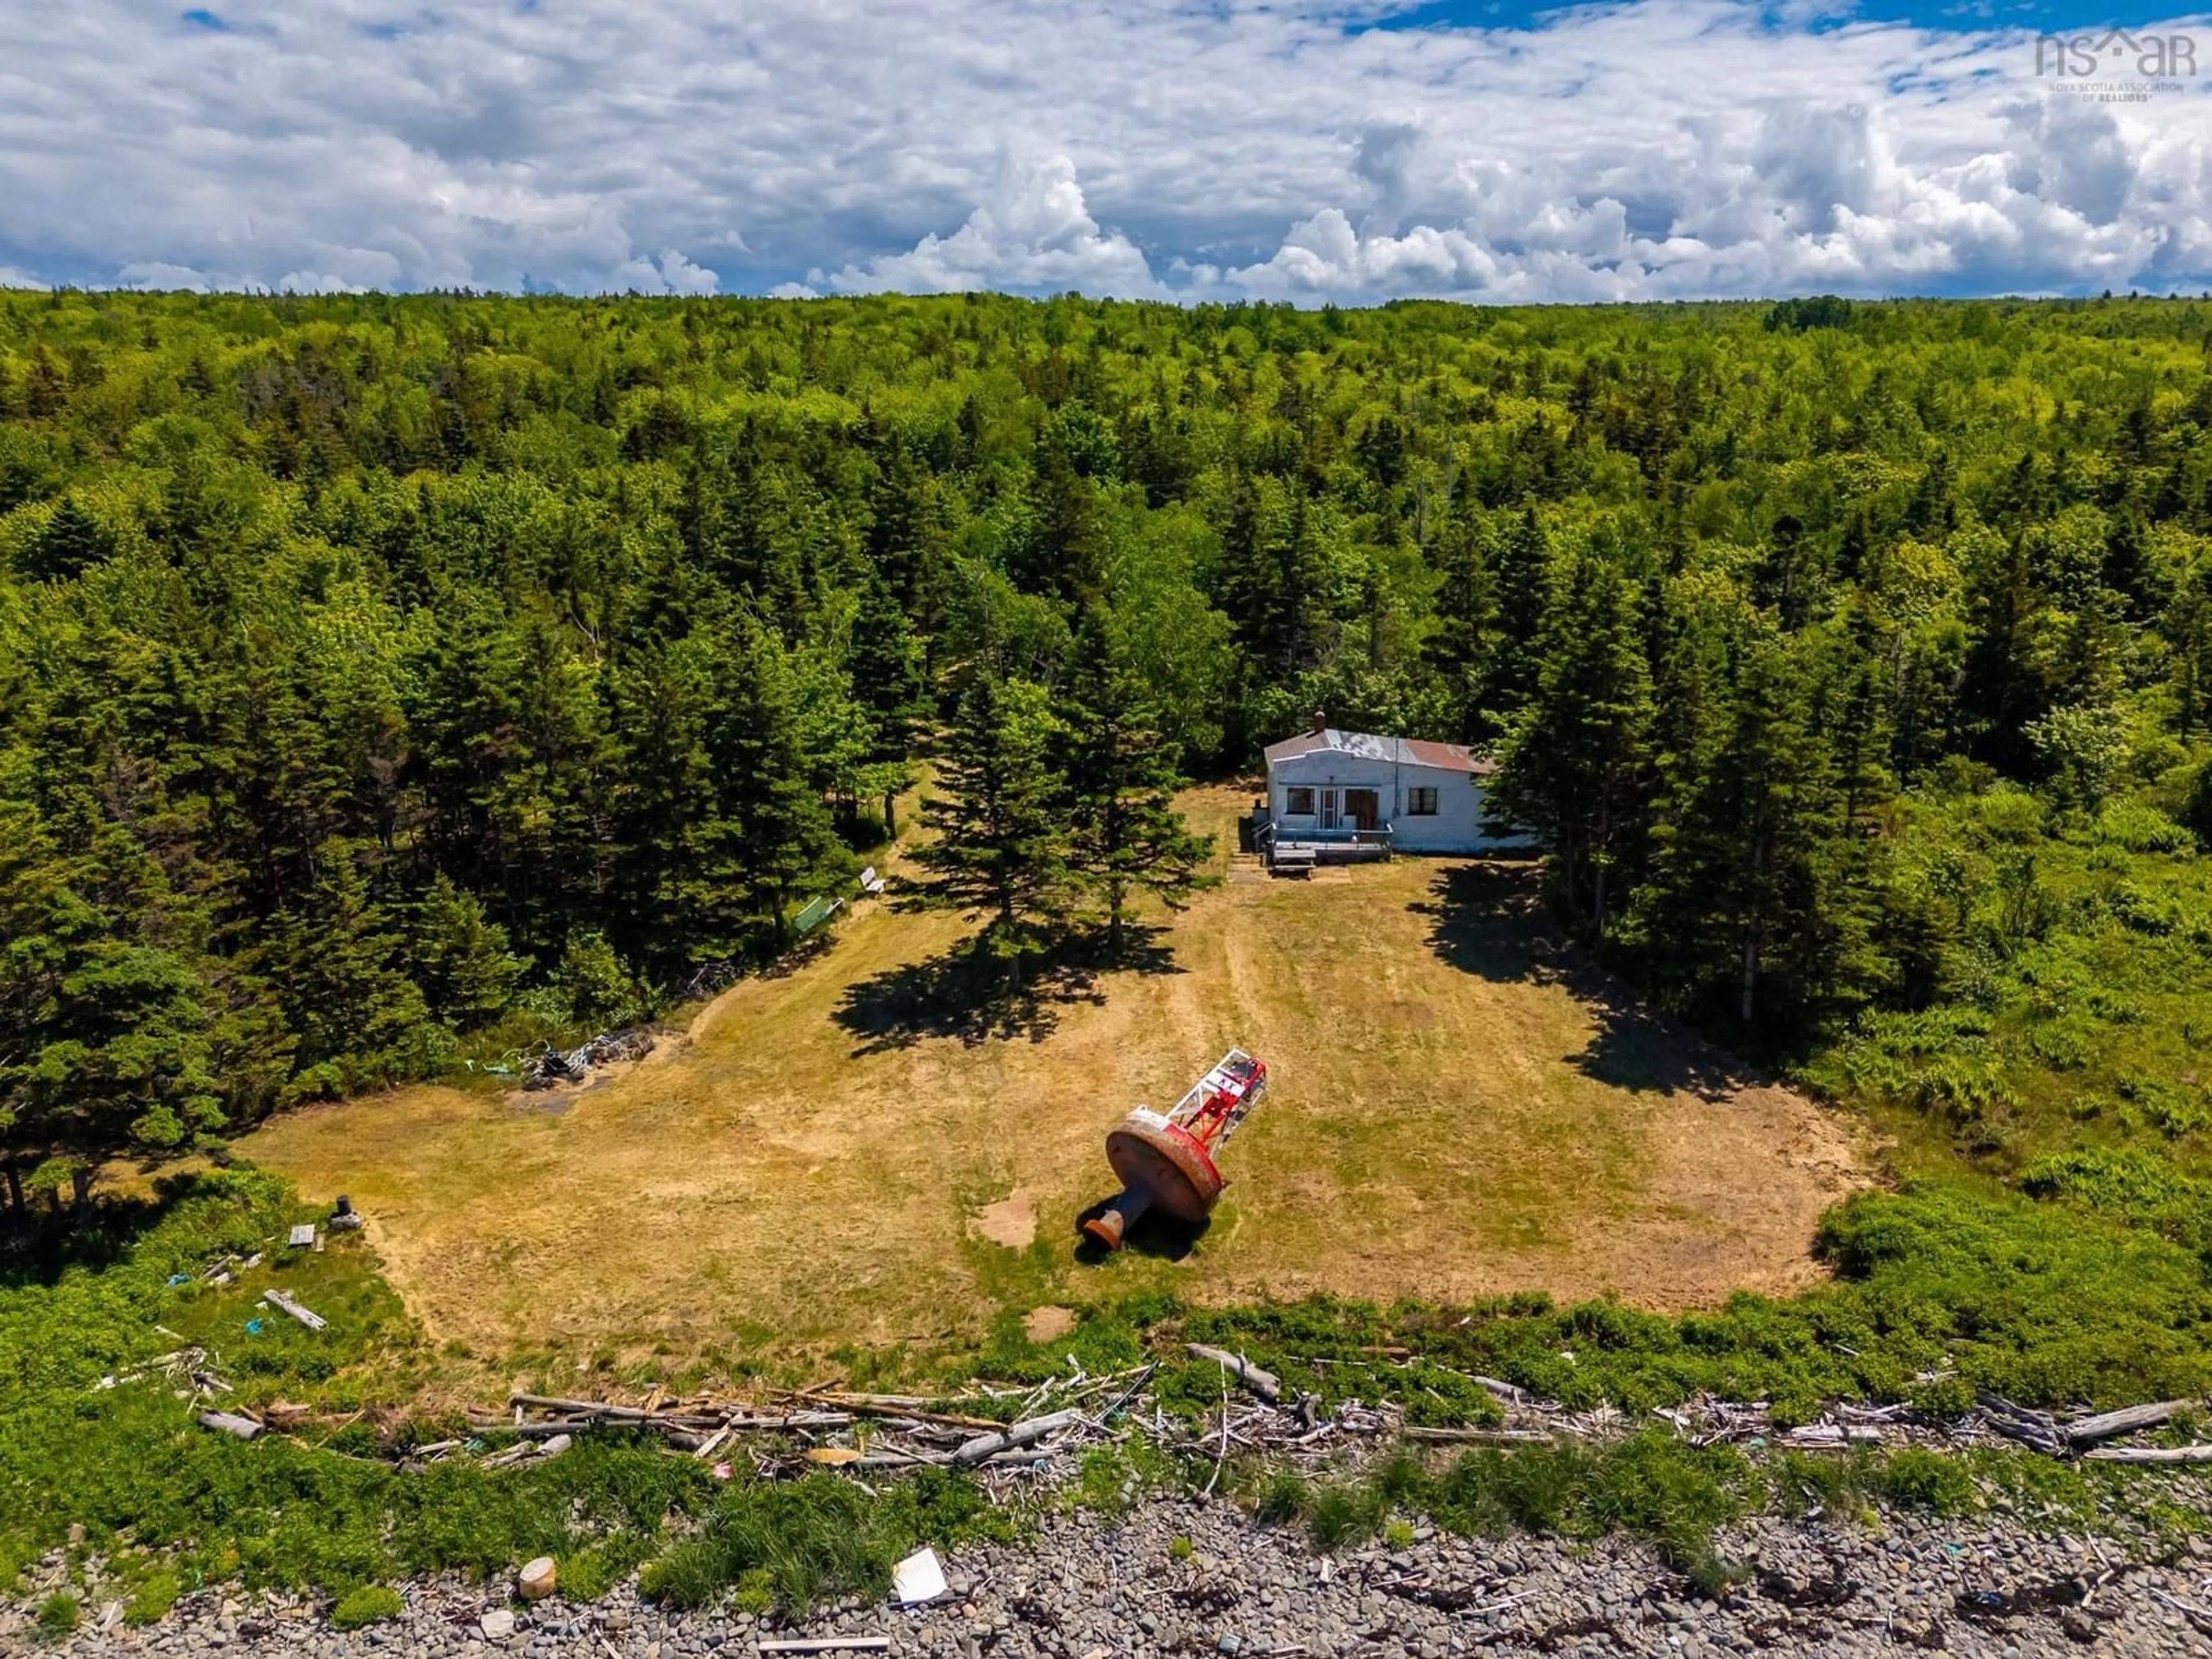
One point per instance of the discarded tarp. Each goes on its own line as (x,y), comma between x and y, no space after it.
(816,913)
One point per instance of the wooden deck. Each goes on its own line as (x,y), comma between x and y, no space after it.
(1295,858)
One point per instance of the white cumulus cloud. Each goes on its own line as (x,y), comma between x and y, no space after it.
(1196,147)
(1034,233)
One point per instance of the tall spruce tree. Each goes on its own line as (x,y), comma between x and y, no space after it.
(1126,835)
(1522,576)
(1747,888)
(106,1049)
(1575,765)
(460,958)
(335,962)
(770,836)
(1000,825)
(885,658)
(1460,645)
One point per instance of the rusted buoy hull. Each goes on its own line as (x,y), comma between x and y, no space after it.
(1160,1167)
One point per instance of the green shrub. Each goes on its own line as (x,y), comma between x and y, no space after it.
(1835,1486)
(820,1537)
(1916,1479)
(1947,1398)
(1104,1482)
(1651,1484)
(2198,813)
(755,1592)
(1284,1495)
(59,1614)
(152,1597)
(1343,1512)
(365,1606)
(591,1572)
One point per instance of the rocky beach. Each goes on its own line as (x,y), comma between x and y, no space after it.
(1177,1577)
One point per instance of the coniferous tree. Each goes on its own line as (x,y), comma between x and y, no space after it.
(1743,870)
(1126,835)
(1462,636)
(335,961)
(1574,765)
(885,661)
(1000,821)
(775,833)
(71,544)
(2007,680)
(105,1051)
(2189,625)
(460,959)
(1522,582)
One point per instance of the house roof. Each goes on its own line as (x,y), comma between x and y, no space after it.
(1406,751)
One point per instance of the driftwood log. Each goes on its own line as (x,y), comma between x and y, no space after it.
(2149,1455)
(2111,1426)
(305,1315)
(1021,1434)
(1266,1384)
(244,1427)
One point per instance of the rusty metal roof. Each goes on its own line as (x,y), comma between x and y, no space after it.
(1406,751)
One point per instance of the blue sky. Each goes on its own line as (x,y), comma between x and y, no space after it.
(1291,150)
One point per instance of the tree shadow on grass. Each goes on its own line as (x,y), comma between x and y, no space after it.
(1487,918)
(38,1250)
(969,994)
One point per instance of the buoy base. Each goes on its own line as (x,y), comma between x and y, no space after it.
(1111,1224)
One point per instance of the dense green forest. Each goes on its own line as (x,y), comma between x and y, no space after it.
(382,676)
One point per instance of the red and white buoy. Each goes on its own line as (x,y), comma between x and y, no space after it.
(1165,1160)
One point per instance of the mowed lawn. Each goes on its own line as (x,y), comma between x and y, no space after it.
(850,1154)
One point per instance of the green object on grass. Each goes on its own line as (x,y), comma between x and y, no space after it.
(366,1606)
(814,914)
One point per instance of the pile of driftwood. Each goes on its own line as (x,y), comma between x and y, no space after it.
(828,1427)
(1257,1414)
(2087,1436)
(709,979)
(1272,1424)
(549,1066)
(1004,1432)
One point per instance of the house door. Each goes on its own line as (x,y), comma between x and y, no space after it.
(1328,812)
(1359,806)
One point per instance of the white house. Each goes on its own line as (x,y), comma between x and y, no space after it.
(1327,786)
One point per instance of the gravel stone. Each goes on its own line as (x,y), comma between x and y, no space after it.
(1086,1588)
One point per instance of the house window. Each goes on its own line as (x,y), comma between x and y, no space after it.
(1421,802)
(1298,803)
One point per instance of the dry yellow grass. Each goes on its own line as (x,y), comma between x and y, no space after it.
(1457,1108)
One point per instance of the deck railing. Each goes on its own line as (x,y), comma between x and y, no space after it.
(1379,837)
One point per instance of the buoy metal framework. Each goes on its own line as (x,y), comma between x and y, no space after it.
(1164,1161)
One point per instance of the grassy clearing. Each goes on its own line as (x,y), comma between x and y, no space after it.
(851,1158)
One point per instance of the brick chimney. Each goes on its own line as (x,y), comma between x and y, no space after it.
(1321,723)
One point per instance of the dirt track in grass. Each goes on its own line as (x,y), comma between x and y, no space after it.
(845,1154)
